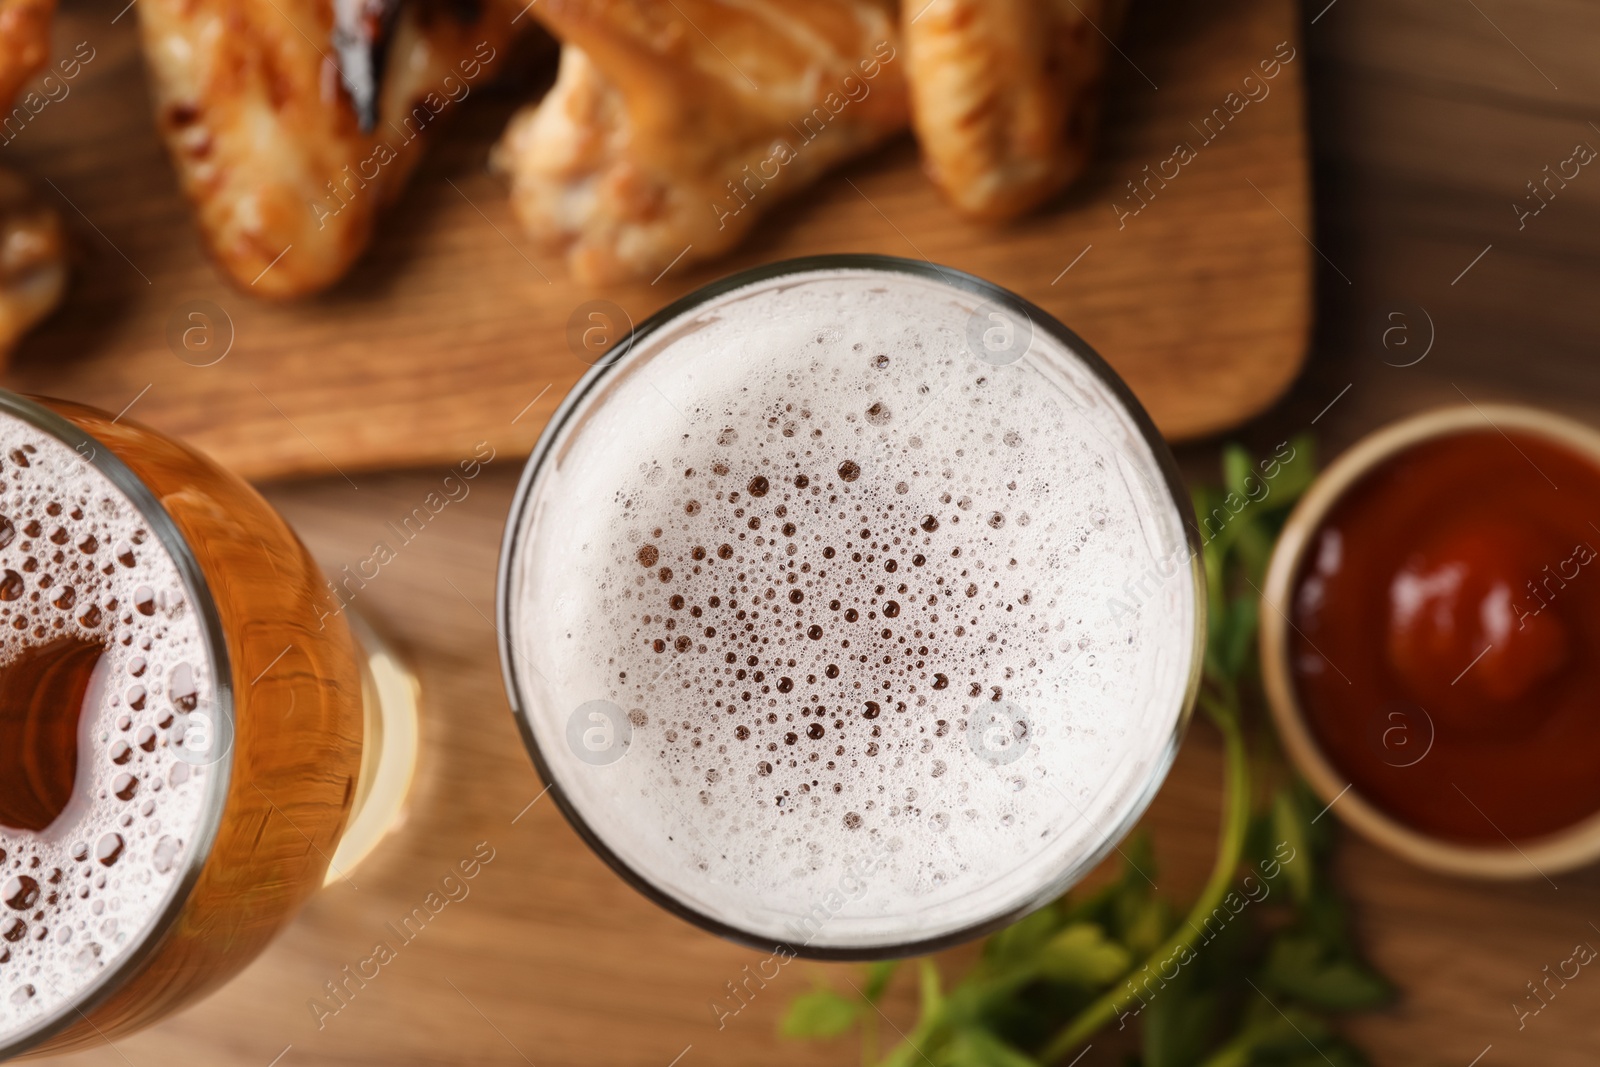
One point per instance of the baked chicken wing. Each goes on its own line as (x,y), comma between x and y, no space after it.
(1005,95)
(293,122)
(24,43)
(33,259)
(33,247)
(672,126)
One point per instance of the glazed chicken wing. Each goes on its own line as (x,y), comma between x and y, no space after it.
(293,122)
(672,126)
(1006,95)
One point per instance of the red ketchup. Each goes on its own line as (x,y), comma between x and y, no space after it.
(1446,639)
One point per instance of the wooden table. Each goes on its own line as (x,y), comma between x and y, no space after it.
(1427,121)
(1428,118)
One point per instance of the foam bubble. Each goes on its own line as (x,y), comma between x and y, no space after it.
(887,618)
(79,563)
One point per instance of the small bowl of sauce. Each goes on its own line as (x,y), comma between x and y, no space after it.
(1431,640)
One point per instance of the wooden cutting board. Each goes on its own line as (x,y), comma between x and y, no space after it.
(454,327)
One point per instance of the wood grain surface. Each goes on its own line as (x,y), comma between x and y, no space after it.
(453,322)
(1427,118)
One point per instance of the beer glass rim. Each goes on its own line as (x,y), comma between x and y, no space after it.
(988,292)
(160,523)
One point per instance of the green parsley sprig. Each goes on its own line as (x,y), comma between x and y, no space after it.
(1248,976)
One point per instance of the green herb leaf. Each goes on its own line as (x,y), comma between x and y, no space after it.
(1275,1029)
(1133,914)
(1017,943)
(1083,956)
(928,983)
(820,1013)
(1178,1023)
(1139,867)
(1292,826)
(1253,545)
(1239,472)
(976,1047)
(1143,922)
(1307,970)
(878,977)
(1238,639)
(1297,468)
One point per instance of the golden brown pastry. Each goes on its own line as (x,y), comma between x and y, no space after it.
(33,259)
(1005,95)
(672,126)
(292,124)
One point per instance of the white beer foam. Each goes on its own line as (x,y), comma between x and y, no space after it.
(78,561)
(852,785)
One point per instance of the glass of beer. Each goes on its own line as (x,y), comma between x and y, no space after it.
(183,727)
(851,606)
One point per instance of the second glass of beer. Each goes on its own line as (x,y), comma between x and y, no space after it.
(181,726)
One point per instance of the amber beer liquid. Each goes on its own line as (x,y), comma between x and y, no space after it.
(179,734)
(806,603)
